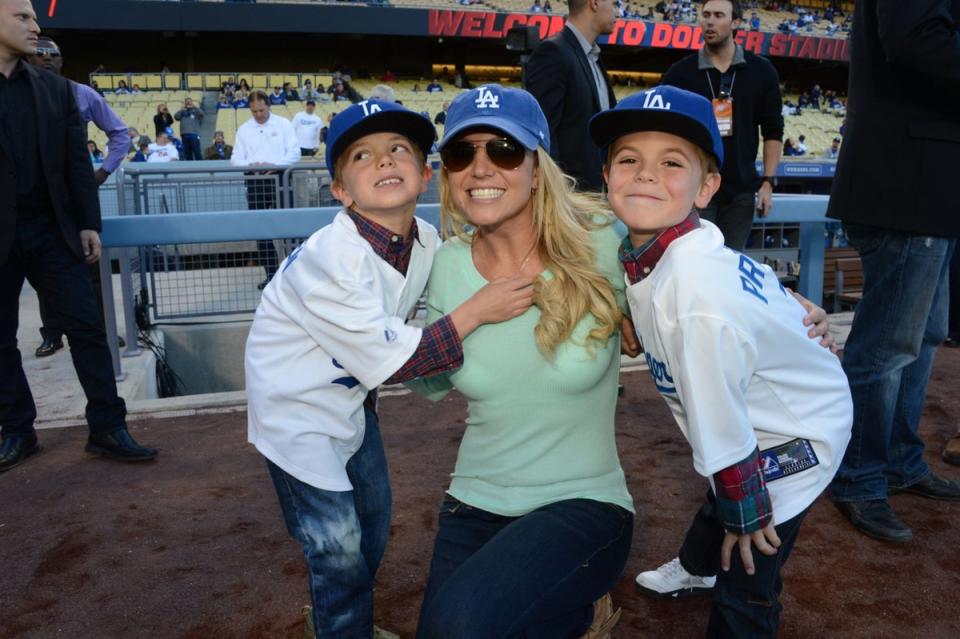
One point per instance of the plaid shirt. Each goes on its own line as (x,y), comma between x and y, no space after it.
(742,497)
(440,348)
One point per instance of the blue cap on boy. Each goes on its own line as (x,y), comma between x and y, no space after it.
(511,111)
(376,116)
(663,108)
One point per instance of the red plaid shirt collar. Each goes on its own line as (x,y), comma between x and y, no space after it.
(639,262)
(393,249)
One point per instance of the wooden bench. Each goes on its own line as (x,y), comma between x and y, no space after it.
(842,278)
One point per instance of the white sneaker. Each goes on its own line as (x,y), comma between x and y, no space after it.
(671,580)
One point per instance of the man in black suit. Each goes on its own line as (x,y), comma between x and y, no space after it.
(568,79)
(49,224)
(901,210)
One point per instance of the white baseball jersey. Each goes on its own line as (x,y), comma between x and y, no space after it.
(307,127)
(273,142)
(330,327)
(728,351)
(163,152)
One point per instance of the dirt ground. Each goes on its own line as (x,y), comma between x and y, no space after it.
(193,546)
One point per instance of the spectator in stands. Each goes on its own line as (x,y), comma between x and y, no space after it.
(383,92)
(96,87)
(324,130)
(219,150)
(547,8)
(49,235)
(229,87)
(416,87)
(535,7)
(833,151)
(307,125)
(566,75)
(224,102)
(895,191)
(143,153)
(162,119)
(240,100)
(243,86)
(122,88)
(434,86)
(790,148)
(289,93)
(190,118)
(277,97)
(802,145)
(308,92)
(96,155)
(135,140)
(389,76)
(815,95)
(136,90)
(264,139)
(163,150)
(745,91)
(755,21)
(441,117)
(337,90)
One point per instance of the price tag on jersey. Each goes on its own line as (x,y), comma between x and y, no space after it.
(723,111)
(787,459)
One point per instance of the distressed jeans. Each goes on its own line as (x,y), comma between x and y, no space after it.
(343,536)
(888,358)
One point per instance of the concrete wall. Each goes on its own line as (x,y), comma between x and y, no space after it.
(207,358)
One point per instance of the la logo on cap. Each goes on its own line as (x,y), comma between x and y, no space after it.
(486,99)
(653,100)
(369,108)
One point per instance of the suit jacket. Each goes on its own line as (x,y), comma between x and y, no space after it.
(62,142)
(211,152)
(558,74)
(900,158)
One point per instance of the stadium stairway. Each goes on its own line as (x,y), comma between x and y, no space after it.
(209,126)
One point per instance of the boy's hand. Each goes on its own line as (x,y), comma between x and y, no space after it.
(629,344)
(817,320)
(498,301)
(766,541)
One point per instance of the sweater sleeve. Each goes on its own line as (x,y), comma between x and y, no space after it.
(771,104)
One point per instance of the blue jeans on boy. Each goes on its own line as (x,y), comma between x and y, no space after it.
(888,357)
(534,576)
(343,535)
(743,605)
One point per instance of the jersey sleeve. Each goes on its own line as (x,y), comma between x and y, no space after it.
(712,362)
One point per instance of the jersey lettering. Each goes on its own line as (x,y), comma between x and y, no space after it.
(292,258)
(660,374)
(486,99)
(349,382)
(751,278)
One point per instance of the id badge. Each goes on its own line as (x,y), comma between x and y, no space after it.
(723,111)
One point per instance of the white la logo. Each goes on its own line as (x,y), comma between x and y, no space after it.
(373,108)
(487,100)
(653,100)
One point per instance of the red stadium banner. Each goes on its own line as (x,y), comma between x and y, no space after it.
(633,33)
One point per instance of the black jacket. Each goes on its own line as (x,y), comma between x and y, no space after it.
(62,141)
(558,74)
(900,159)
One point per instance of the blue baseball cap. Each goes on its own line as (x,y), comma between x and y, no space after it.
(511,111)
(663,108)
(376,116)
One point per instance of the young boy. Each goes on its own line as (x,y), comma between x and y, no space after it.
(765,409)
(329,330)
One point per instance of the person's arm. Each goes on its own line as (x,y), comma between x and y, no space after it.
(199,113)
(81,187)
(118,136)
(546,78)
(291,146)
(771,129)
(178,115)
(239,157)
(921,37)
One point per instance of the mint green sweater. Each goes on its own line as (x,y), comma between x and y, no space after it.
(538,430)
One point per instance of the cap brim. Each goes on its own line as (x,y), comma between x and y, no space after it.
(504,125)
(412,125)
(610,125)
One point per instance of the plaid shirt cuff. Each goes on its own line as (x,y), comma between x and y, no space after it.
(440,350)
(743,501)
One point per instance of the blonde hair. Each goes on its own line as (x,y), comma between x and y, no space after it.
(563,220)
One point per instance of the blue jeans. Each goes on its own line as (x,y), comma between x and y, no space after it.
(40,255)
(343,536)
(888,357)
(743,605)
(532,576)
(191,147)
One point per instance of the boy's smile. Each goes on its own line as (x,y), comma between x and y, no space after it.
(653,180)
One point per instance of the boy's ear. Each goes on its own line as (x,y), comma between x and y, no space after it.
(426,176)
(711,184)
(341,193)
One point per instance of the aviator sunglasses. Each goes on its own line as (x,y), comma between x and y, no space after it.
(503,152)
(48,51)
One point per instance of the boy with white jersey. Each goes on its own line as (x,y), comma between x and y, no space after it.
(329,330)
(766,410)
(307,126)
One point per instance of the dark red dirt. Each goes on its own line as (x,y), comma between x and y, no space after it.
(193,546)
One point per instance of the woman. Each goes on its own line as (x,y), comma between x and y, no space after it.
(162,119)
(96,155)
(537,522)
(122,88)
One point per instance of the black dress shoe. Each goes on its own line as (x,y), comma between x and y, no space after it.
(119,445)
(15,449)
(932,487)
(49,347)
(875,519)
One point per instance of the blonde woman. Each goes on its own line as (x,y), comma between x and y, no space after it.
(537,522)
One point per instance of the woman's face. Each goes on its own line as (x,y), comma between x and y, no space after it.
(491,196)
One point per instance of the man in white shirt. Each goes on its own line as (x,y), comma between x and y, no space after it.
(264,140)
(307,126)
(163,150)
